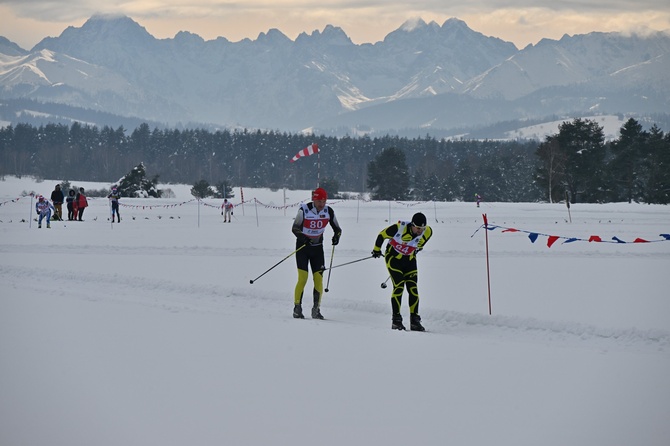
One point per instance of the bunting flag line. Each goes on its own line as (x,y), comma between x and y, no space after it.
(307,151)
(16,200)
(156,206)
(552,239)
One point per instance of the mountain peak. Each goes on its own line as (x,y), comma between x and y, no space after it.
(10,48)
(113,27)
(98,21)
(413,24)
(333,35)
(188,37)
(272,36)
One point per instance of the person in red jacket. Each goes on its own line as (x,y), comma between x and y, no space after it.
(82,202)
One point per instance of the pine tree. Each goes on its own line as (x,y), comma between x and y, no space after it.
(582,141)
(657,184)
(135,184)
(202,189)
(223,190)
(627,165)
(388,175)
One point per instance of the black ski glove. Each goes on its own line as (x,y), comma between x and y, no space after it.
(336,239)
(303,239)
(376,254)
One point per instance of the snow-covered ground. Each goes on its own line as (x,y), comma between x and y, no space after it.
(148,332)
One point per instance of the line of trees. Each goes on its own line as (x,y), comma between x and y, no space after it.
(634,167)
(577,159)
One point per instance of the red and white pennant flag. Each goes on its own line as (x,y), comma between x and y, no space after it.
(307,151)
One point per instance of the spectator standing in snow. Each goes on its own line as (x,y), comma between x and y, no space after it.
(71,211)
(227,210)
(43,208)
(82,203)
(478,198)
(114,198)
(308,227)
(57,198)
(406,239)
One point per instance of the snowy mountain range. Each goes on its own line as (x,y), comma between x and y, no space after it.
(422,76)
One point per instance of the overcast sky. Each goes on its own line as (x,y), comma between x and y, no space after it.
(26,22)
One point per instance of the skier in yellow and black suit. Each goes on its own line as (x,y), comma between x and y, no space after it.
(406,239)
(308,227)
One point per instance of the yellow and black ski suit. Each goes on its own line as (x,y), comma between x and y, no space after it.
(400,259)
(308,227)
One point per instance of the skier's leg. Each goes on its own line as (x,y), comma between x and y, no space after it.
(317,262)
(300,286)
(398,282)
(301,260)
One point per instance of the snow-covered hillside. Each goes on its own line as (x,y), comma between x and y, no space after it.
(611,125)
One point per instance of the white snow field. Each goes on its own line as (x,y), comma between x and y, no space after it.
(148,332)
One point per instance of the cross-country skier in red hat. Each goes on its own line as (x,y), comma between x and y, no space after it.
(308,227)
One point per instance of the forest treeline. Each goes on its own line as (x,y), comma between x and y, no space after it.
(577,160)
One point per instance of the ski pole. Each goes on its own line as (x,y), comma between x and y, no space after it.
(332,253)
(349,263)
(276,264)
(488,270)
(384,282)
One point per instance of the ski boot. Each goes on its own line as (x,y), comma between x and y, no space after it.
(415,323)
(316,313)
(396,322)
(48,225)
(297,312)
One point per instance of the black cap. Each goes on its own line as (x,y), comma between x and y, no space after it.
(419,219)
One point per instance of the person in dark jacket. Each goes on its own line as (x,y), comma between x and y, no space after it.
(57,198)
(308,227)
(71,214)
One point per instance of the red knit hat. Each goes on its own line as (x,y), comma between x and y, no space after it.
(319,194)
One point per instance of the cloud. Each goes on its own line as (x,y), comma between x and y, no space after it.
(519,21)
(65,10)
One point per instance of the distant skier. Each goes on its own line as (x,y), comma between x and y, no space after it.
(478,198)
(227,210)
(43,208)
(406,239)
(114,198)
